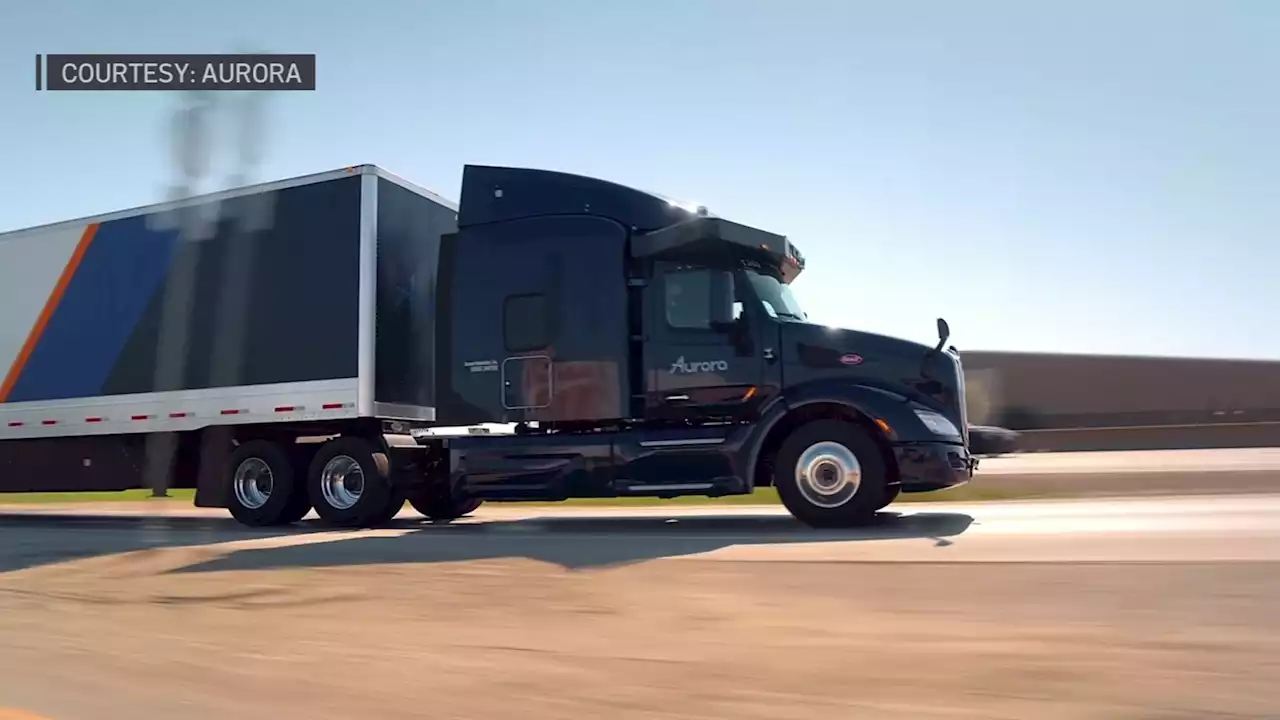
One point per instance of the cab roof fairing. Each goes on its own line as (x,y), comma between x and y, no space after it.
(659,224)
(497,194)
(713,235)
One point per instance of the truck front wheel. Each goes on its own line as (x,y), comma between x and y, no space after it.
(349,483)
(831,474)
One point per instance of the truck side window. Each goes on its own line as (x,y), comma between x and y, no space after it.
(524,323)
(688,299)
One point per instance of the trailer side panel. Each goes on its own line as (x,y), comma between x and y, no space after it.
(32,266)
(274,305)
(256,313)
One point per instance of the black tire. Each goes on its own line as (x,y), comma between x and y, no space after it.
(393,508)
(890,496)
(436,503)
(831,504)
(362,495)
(262,488)
(299,506)
(300,502)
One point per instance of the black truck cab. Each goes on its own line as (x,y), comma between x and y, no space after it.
(646,348)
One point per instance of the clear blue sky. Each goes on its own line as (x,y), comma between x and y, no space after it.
(1068,176)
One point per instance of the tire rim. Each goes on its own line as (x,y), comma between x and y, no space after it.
(253,483)
(342,482)
(828,474)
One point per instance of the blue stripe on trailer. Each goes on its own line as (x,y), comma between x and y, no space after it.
(120,273)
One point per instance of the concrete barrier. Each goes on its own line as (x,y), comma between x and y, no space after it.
(1152,437)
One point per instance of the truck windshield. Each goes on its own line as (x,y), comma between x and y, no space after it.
(777,298)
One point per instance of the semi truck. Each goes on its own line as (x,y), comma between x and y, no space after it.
(306,344)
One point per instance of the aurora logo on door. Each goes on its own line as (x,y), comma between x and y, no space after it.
(851,359)
(680,367)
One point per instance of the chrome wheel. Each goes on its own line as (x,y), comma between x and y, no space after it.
(828,474)
(342,482)
(253,483)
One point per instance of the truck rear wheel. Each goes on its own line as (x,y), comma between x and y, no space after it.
(437,503)
(300,503)
(264,487)
(349,483)
(391,511)
(831,474)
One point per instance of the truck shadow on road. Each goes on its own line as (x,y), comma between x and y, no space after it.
(29,540)
(571,542)
(576,543)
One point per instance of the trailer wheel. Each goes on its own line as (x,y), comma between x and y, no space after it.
(300,501)
(437,503)
(299,505)
(263,487)
(831,474)
(392,510)
(349,483)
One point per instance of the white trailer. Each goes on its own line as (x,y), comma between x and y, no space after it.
(291,308)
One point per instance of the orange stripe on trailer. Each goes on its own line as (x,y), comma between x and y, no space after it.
(50,306)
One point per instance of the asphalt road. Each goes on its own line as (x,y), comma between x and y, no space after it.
(1168,529)
(1143,608)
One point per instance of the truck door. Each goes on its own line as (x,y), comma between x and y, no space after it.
(703,351)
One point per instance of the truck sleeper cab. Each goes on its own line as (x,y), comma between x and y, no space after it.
(644,348)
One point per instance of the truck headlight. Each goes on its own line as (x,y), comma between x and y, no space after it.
(937,424)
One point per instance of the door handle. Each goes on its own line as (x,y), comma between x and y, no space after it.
(677,398)
(768,354)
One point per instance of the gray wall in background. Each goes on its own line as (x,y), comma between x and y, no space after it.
(1070,402)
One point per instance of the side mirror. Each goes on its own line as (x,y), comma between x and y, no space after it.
(721,301)
(944,333)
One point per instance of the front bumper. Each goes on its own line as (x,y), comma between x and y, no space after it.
(927,466)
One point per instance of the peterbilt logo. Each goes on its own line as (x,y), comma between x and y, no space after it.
(680,367)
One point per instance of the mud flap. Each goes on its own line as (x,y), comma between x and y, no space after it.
(209,464)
